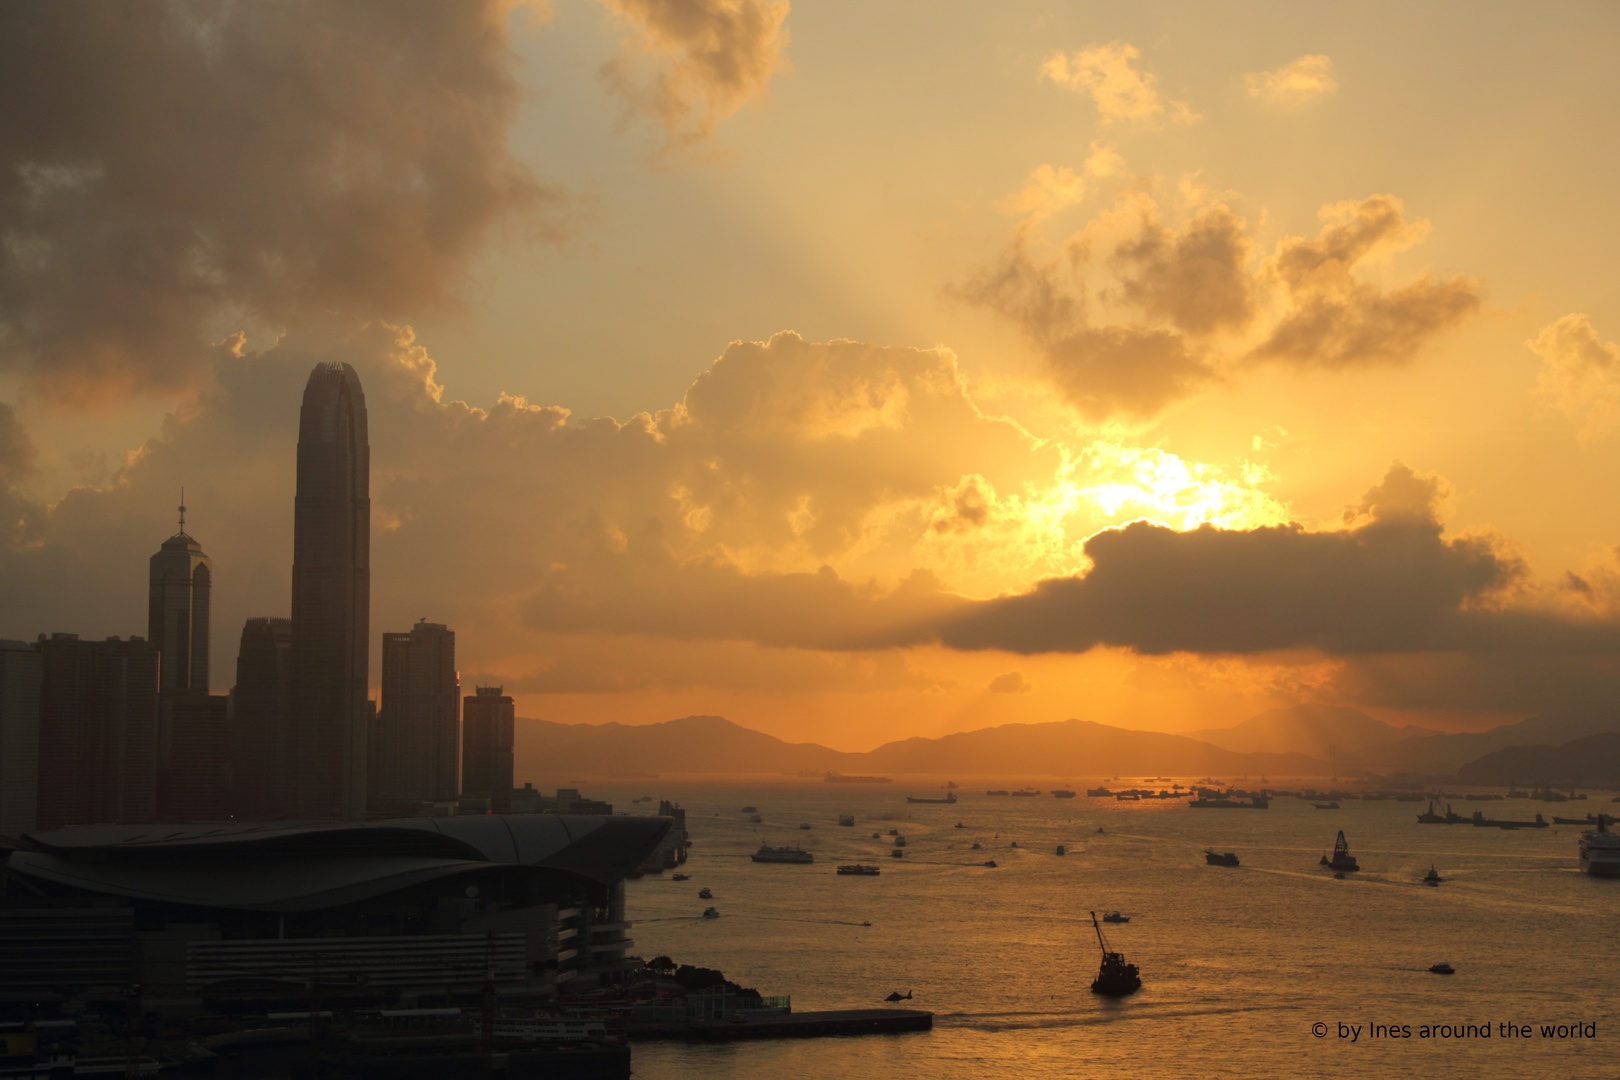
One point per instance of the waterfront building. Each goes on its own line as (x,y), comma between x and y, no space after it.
(246,916)
(325,776)
(488,719)
(19,737)
(98,718)
(418,721)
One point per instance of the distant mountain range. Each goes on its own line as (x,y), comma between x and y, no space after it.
(1306,740)
(1590,762)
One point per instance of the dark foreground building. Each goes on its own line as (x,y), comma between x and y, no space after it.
(331,601)
(487,721)
(419,719)
(240,918)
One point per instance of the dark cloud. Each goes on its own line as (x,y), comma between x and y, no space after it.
(1334,320)
(172,172)
(1395,584)
(1197,279)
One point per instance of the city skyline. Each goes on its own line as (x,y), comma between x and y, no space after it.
(1130,366)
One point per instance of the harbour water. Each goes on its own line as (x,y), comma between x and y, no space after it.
(1238,964)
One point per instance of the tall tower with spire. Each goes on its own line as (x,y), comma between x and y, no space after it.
(326,746)
(177,611)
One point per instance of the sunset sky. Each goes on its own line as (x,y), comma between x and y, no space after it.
(853,371)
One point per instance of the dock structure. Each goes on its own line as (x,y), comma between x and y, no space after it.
(811,1024)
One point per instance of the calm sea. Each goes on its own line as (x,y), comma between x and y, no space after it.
(1237,964)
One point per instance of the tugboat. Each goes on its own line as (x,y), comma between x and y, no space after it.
(1432,878)
(710,913)
(1215,858)
(898,853)
(1115,978)
(1342,859)
(1443,968)
(705,894)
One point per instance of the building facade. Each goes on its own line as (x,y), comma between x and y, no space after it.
(418,719)
(260,706)
(98,719)
(331,601)
(487,729)
(19,737)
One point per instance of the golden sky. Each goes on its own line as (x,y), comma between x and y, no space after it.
(852,371)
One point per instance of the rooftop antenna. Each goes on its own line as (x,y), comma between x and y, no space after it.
(182,511)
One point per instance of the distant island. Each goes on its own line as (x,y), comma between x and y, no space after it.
(1307,740)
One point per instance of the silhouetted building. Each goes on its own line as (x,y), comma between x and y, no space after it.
(259,718)
(486,743)
(98,706)
(177,623)
(331,598)
(19,737)
(417,719)
(200,755)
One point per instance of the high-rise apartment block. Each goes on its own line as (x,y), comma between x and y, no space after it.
(331,601)
(417,721)
(260,703)
(487,722)
(19,737)
(98,712)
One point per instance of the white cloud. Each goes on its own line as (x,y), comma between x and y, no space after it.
(1123,94)
(1308,79)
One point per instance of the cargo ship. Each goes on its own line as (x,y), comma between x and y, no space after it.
(950,797)
(766,853)
(859,870)
(841,778)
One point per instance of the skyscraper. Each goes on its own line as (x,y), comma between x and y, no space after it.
(419,716)
(331,600)
(98,705)
(191,778)
(487,720)
(177,612)
(260,709)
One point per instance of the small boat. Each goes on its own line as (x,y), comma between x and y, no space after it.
(1116,917)
(899,841)
(1062,793)
(877,836)
(750,810)
(705,894)
(1339,876)
(977,846)
(1342,859)
(859,870)
(1443,968)
(847,820)
(804,825)
(894,832)
(1026,793)
(681,877)
(1013,844)
(991,863)
(1432,878)
(1327,806)
(755,819)
(710,913)
(1099,828)
(959,825)
(1061,850)
(897,853)
(1115,978)
(1215,858)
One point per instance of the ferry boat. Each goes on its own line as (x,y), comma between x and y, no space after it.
(859,870)
(1215,858)
(950,797)
(766,853)
(1600,851)
(1342,859)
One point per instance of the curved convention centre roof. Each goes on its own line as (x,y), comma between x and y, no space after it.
(290,866)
